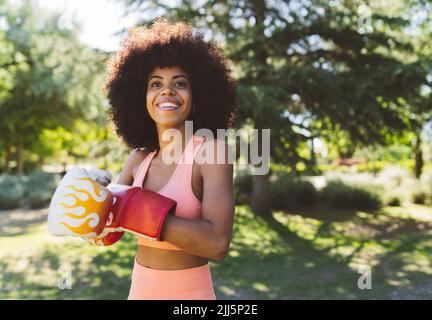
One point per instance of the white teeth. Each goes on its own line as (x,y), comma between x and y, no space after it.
(167,105)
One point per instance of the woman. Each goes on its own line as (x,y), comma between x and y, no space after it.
(162,77)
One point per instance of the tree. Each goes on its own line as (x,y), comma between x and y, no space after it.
(55,83)
(311,58)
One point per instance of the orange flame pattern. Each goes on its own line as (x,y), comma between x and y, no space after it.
(91,205)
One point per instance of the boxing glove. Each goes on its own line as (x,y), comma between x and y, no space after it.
(80,206)
(108,237)
(103,214)
(102,177)
(135,210)
(139,211)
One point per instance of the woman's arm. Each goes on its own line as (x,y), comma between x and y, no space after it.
(211,236)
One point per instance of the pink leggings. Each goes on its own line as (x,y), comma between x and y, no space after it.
(186,284)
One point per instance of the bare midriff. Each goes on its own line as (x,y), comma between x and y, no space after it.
(163,259)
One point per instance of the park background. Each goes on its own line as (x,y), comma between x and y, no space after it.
(344,86)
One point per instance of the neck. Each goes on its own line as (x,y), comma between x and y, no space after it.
(173,143)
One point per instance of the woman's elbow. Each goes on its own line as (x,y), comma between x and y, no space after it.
(220,257)
(221,251)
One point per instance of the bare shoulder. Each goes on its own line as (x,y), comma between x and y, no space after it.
(136,157)
(216,151)
(215,159)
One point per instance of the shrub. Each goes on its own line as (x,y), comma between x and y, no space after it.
(394,201)
(39,199)
(34,191)
(288,191)
(12,192)
(42,179)
(341,196)
(419,197)
(40,187)
(374,167)
(393,196)
(408,164)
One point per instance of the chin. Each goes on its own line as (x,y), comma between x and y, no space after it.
(170,123)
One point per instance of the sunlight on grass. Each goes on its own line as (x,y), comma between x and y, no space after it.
(368,239)
(251,231)
(227,291)
(259,286)
(414,211)
(304,255)
(233,253)
(304,227)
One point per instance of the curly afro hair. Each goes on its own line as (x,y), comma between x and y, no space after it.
(168,44)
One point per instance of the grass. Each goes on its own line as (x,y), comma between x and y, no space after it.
(300,254)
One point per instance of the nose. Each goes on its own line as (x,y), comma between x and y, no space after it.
(167,91)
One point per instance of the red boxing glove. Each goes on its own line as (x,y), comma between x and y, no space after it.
(136,210)
(106,238)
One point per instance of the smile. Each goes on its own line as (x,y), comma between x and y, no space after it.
(168,106)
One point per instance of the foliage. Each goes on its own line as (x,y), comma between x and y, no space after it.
(50,90)
(394,201)
(289,191)
(34,191)
(419,197)
(341,196)
(40,188)
(307,68)
(12,191)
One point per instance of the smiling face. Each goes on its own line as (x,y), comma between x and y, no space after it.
(169,96)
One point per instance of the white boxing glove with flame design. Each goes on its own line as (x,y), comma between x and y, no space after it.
(80,206)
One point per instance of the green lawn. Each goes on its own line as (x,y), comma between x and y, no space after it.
(300,254)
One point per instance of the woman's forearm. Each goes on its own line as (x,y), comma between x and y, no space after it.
(197,237)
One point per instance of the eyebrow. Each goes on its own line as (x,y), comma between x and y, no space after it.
(174,77)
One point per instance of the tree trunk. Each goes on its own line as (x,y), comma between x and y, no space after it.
(41,162)
(7,158)
(20,157)
(418,155)
(62,174)
(261,198)
(260,202)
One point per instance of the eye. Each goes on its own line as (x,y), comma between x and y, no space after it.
(154,83)
(181,84)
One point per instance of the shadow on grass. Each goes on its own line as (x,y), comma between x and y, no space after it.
(398,250)
(407,265)
(266,261)
(96,273)
(326,214)
(20,221)
(292,269)
(278,266)
(99,273)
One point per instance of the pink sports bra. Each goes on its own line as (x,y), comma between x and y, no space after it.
(178,188)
